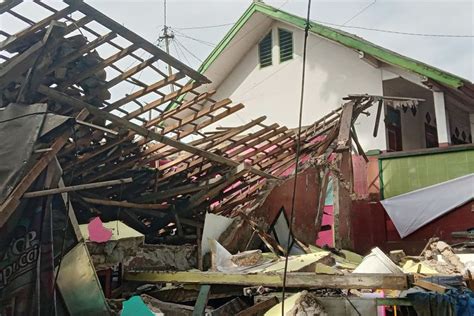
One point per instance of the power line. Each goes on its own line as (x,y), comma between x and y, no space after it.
(396,32)
(297,158)
(203,27)
(361,11)
(187,50)
(195,39)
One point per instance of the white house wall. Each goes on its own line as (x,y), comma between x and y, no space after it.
(413,125)
(333,71)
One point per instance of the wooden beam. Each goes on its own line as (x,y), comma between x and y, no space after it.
(345,126)
(102,65)
(294,279)
(430,286)
(76,103)
(239,171)
(78,187)
(157,85)
(6,44)
(201,302)
(78,53)
(259,308)
(128,73)
(134,38)
(126,204)
(377,118)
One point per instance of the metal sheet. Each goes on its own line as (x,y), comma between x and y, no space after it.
(79,285)
(19,131)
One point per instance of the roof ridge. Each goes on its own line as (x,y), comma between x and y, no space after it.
(342,37)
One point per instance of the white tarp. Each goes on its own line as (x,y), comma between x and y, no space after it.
(413,210)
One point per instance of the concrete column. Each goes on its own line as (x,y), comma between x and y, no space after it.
(442,125)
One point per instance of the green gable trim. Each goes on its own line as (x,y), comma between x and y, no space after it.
(338,36)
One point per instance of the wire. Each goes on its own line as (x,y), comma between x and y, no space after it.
(297,157)
(195,39)
(187,50)
(180,52)
(361,11)
(396,32)
(203,27)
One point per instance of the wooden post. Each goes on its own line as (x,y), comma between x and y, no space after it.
(201,302)
(343,182)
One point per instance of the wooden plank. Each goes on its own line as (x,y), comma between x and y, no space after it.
(343,201)
(126,204)
(157,85)
(377,118)
(345,126)
(134,38)
(6,44)
(201,302)
(8,5)
(260,307)
(128,73)
(172,113)
(61,97)
(360,150)
(430,286)
(294,279)
(102,65)
(78,187)
(229,179)
(164,99)
(195,116)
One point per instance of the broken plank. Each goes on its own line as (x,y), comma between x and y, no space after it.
(62,97)
(430,286)
(134,38)
(294,279)
(126,204)
(345,126)
(76,188)
(260,307)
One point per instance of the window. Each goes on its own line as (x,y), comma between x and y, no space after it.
(285,39)
(265,50)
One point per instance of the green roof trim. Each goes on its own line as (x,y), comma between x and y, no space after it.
(338,36)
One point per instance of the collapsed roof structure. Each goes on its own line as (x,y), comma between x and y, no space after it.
(74,108)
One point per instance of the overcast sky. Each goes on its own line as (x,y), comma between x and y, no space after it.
(430,17)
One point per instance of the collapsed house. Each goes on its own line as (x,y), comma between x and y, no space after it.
(110,178)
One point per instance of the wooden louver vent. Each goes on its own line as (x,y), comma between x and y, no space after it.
(286,45)
(265,50)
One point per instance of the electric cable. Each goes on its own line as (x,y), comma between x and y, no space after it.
(361,11)
(297,157)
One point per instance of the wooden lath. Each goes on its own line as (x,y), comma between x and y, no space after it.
(189,177)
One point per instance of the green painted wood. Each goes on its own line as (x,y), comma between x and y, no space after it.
(201,302)
(406,174)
